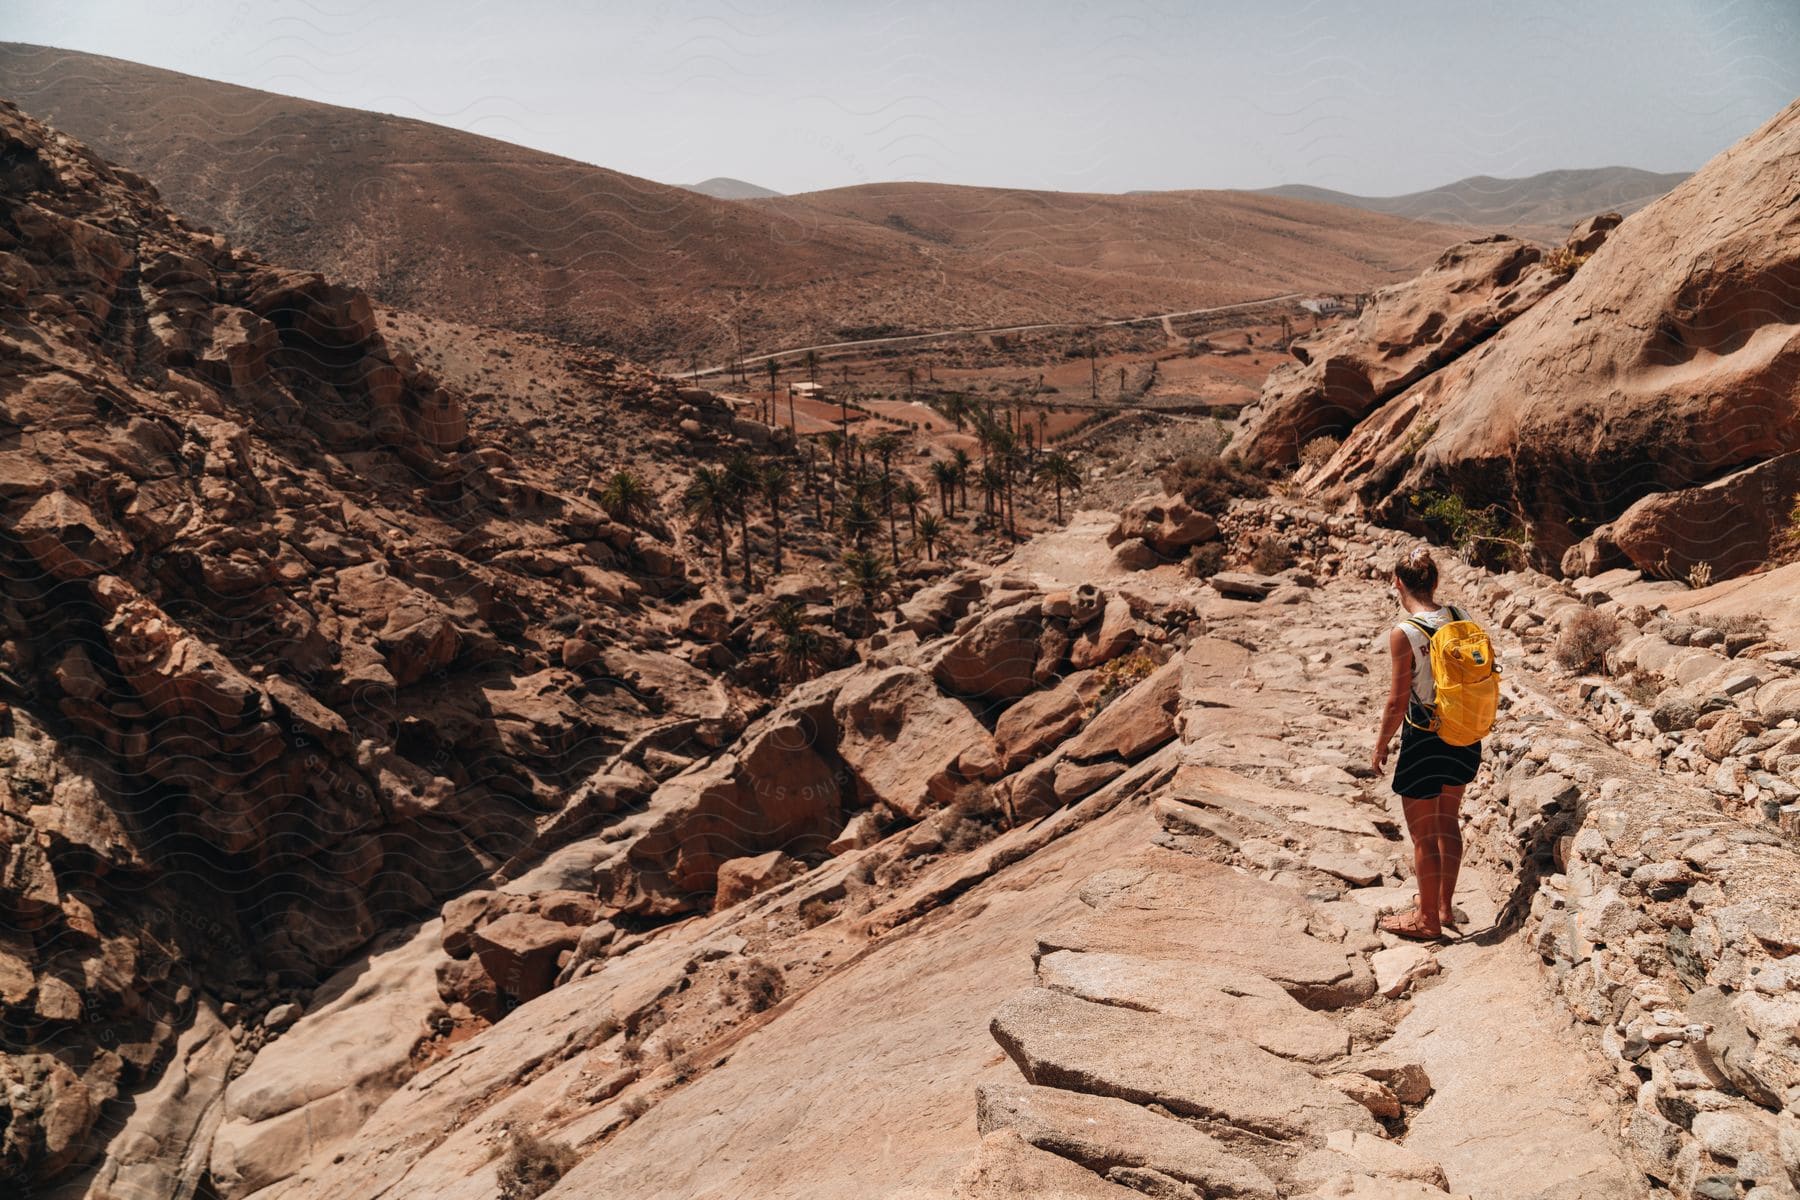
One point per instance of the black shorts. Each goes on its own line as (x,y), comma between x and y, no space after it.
(1427,765)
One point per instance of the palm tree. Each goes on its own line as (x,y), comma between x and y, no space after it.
(774,369)
(625,497)
(801,651)
(866,575)
(744,480)
(708,498)
(859,520)
(912,378)
(812,367)
(909,494)
(930,534)
(1062,473)
(956,407)
(943,473)
(884,444)
(960,458)
(777,486)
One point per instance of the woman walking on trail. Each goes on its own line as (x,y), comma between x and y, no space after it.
(1431,774)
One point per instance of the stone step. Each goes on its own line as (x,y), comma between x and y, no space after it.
(1101,1133)
(1192,911)
(1007,1167)
(1209,995)
(1062,1041)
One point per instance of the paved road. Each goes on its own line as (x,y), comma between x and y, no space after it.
(1164,318)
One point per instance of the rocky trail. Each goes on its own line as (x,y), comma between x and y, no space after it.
(1224,1019)
(1169,983)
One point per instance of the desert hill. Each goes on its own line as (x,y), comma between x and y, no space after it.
(1238,243)
(1545,204)
(723,187)
(554,246)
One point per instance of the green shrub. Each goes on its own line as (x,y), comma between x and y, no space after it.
(1487,536)
(1120,675)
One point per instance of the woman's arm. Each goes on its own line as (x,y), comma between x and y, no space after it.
(1399,694)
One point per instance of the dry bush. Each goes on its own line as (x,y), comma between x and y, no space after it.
(532,1166)
(973,811)
(1584,641)
(1700,575)
(1564,261)
(1210,482)
(1207,560)
(1319,451)
(815,911)
(1740,623)
(1643,688)
(1271,555)
(636,1107)
(759,983)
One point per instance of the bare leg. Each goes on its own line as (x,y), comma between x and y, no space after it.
(1449,845)
(1421,824)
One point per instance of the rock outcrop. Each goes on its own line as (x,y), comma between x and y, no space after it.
(282,646)
(1658,376)
(1404,332)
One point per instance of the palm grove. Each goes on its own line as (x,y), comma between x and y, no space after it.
(858,493)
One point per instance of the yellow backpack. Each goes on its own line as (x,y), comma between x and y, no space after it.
(1467,677)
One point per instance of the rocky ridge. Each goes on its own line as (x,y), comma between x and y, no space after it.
(287,654)
(1627,404)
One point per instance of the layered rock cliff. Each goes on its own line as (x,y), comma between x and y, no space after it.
(286,655)
(1649,399)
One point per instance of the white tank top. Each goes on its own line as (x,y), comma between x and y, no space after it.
(1424,688)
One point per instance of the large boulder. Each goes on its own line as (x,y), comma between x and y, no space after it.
(902,739)
(1404,332)
(997,658)
(1167,524)
(1036,723)
(935,609)
(519,952)
(742,878)
(1134,724)
(1733,524)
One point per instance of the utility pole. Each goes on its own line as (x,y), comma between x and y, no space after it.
(1093,368)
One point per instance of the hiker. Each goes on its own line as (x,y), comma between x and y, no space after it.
(1440,749)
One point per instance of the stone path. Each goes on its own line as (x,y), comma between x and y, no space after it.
(1225,1019)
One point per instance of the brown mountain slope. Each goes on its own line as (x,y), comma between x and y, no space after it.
(287,652)
(1546,203)
(481,231)
(1223,245)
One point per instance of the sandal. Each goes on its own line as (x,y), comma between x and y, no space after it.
(1407,925)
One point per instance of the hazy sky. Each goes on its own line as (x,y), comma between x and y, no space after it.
(1374,97)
